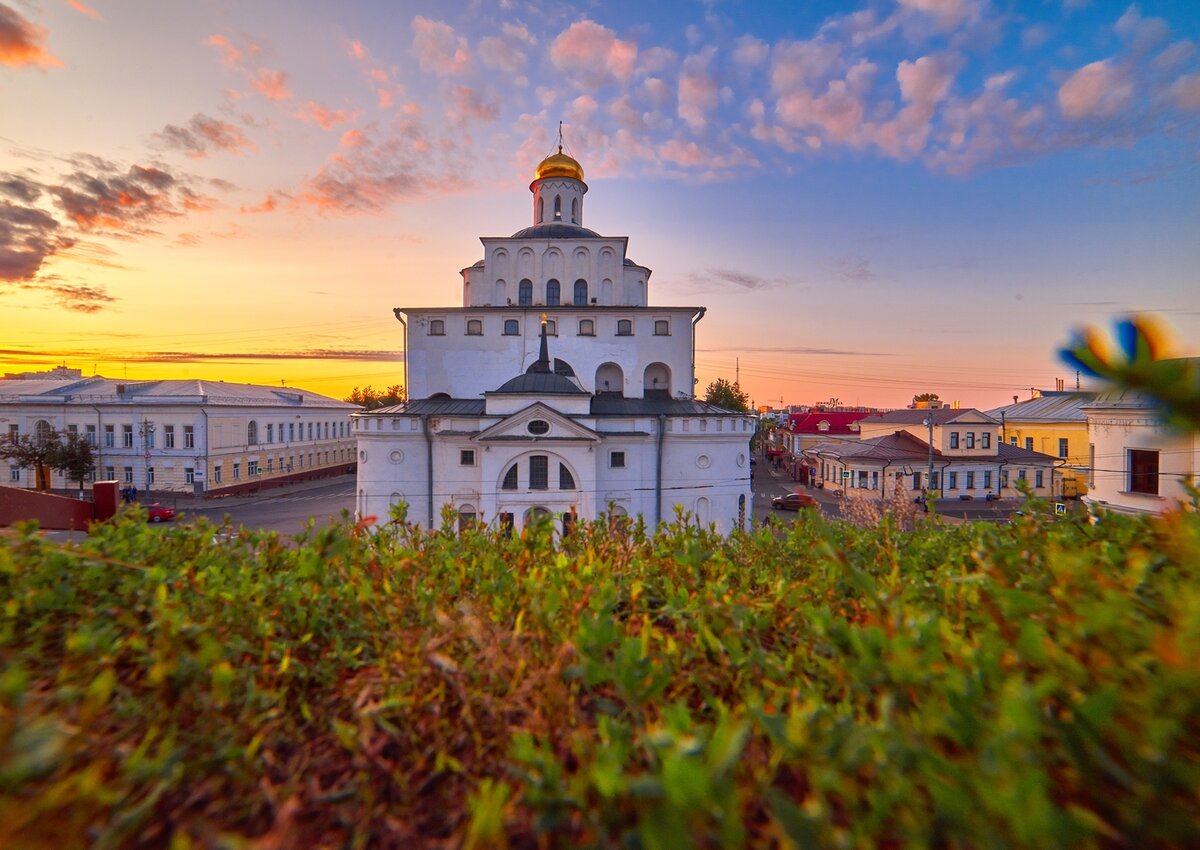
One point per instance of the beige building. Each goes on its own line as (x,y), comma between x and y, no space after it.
(194,436)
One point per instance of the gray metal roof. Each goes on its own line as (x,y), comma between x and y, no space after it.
(1050,407)
(556,230)
(100,390)
(433,407)
(541,383)
(614,405)
(908,416)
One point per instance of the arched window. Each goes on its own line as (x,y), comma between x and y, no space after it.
(662,327)
(512,327)
(656,380)
(587,327)
(553,293)
(581,296)
(610,379)
(566,481)
(525,293)
(474,327)
(541,210)
(624,327)
(574,211)
(437,327)
(510,479)
(558,207)
(252,433)
(466,517)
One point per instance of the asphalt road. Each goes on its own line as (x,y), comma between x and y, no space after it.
(285,511)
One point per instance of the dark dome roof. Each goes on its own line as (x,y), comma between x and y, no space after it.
(556,230)
(542,382)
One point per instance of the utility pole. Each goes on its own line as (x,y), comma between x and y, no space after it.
(147,433)
(929,480)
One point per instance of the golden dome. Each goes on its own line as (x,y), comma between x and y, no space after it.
(559,165)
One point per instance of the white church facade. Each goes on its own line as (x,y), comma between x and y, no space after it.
(555,389)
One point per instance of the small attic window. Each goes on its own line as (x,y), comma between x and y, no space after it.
(538,427)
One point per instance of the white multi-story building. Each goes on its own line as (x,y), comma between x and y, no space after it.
(555,389)
(1136,463)
(189,436)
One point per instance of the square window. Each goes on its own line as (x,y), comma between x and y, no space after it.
(466,457)
(587,327)
(624,327)
(662,327)
(437,327)
(474,327)
(512,327)
(616,460)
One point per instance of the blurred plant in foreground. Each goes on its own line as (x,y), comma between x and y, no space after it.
(1174,383)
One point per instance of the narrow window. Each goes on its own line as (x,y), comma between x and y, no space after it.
(985,439)
(553,293)
(474,327)
(954,439)
(189,475)
(539,472)
(558,207)
(1091,464)
(128,474)
(512,327)
(1062,446)
(437,327)
(1038,479)
(662,327)
(970,480)
(1029,444)
(574,211)
(541,210)
(624,327)
(566,481)
(109,437)
(189,437)
(616,460)
(1143,471)
(525,293)
(127,436)
(506,524)
(1020,474)
(510,479)
(551,327)
(970,439)
(252,434)
(951,480)
(168,436)
(987,479)
(581,293)
(237,471)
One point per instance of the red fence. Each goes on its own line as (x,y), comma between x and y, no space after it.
(58,512)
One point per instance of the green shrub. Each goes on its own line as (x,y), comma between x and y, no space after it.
(1033,685)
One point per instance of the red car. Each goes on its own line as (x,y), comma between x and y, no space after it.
(157,513)
(793,502)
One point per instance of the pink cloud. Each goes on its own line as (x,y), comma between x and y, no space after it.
(235,55)
(271,84)
(323,116)
(507,52)
(83,8)
(23,42)
(697,90)
(1185,92)
(204,134)
(751,51)
(923,85)
(838,112)
(1097,90)
(438,48)
(467,103)
(386,89)
(595,52)
(266,205)
(948,14)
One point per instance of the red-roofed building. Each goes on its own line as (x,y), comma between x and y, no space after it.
(805,430)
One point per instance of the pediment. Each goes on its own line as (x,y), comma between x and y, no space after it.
(516,427)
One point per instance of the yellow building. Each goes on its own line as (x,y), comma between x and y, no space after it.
(1052,423)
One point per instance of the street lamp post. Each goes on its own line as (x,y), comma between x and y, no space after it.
(929,479)
(146,431)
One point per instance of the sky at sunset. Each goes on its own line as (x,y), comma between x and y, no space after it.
(872,199)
